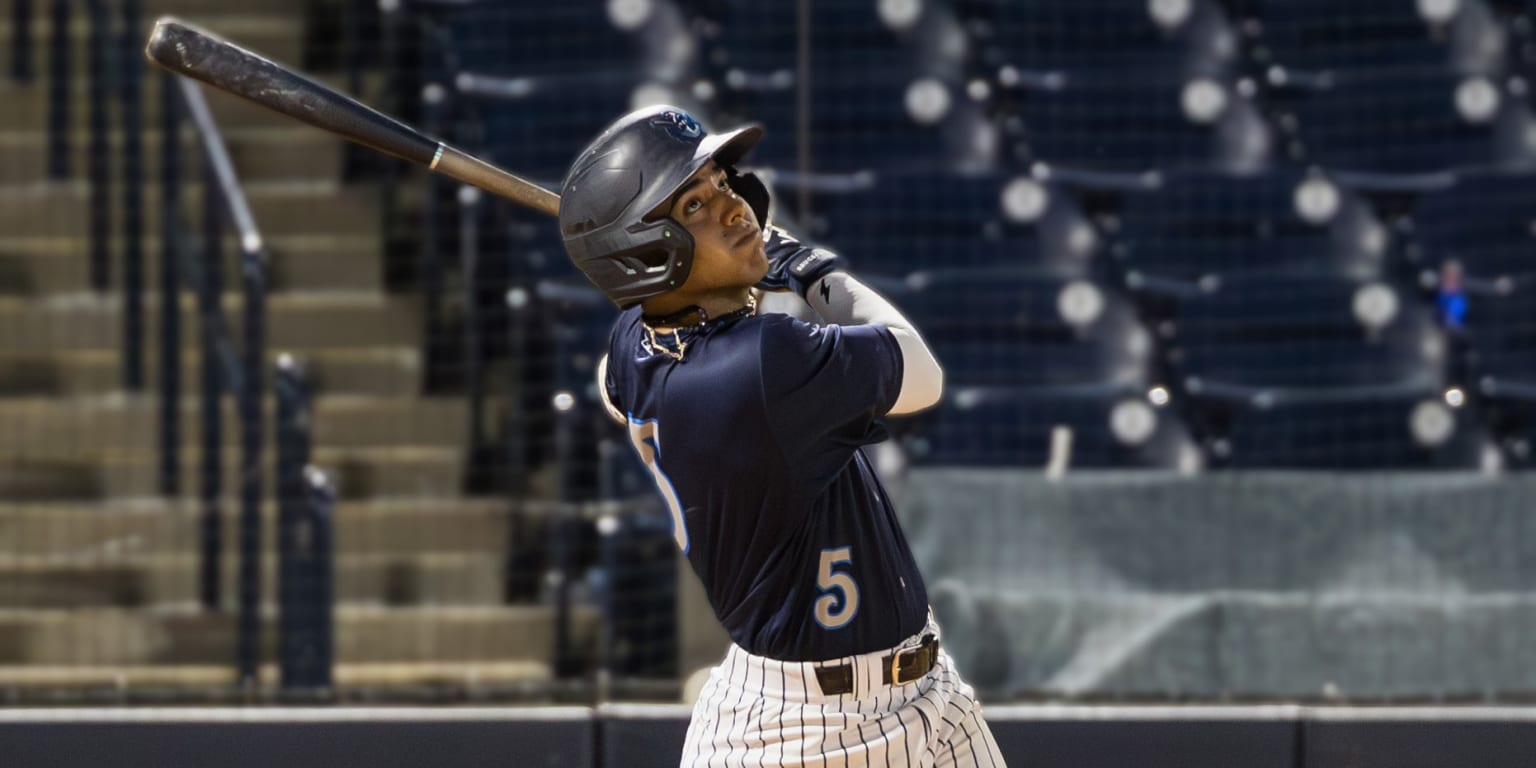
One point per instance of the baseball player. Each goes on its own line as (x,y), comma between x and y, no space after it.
(752,426)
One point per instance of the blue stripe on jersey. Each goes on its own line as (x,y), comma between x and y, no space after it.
(644,436)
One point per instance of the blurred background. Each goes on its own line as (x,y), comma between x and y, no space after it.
(1235,300)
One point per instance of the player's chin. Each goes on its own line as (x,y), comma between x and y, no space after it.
(758,267)
(756,258)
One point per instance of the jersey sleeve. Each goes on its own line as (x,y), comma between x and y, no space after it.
(826,387)
(609,368)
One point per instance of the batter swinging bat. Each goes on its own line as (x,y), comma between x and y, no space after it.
(187,50)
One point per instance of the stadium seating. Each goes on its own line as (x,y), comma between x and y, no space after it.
(1463,37)
(878,117)
(897,223)
(1002,427)
(1032,351)
(1253,173)
(1503,340)
(1196,225)
(1105,36)
(581,318)
(1026,330)
(884,90)
(535,130)
(552,38)
(1414,122)
(1335,431)
(1282,331)
(1486,221)
(575,320)
(1146,122)
(1317,371)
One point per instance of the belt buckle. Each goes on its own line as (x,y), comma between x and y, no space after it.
(896,678)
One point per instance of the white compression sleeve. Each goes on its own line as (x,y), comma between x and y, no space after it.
(839,298)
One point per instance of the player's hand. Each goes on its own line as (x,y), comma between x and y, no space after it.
(793,265)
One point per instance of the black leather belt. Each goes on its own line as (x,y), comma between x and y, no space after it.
(897,668)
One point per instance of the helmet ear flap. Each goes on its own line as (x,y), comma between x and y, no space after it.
(657,258)
(751,189)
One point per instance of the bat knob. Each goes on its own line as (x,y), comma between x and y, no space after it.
(168,42)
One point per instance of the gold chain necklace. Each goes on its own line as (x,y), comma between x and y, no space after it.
(653,334)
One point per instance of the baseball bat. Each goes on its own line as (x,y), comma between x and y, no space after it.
(187,50)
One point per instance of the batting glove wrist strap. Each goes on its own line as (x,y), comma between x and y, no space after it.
(793,265)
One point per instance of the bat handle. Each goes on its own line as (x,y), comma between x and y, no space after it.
(467,168)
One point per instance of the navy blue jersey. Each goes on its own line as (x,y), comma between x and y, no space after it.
(754,440)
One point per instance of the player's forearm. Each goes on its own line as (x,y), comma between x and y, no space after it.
(841,299)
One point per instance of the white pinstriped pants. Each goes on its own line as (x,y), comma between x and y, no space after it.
(755,711)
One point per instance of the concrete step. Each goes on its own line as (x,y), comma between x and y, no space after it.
(44,265)
(150,526)
(440,579)
(448,679)
(30,102)
(393,472)
(278,207)
(376,371)
(276,33)
(187,635)
(295,321)
(88,428)
(291,151)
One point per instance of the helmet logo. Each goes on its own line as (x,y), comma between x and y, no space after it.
(679,125)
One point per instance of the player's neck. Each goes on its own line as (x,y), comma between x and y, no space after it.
(674,309)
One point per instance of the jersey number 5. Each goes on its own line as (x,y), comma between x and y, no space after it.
(646,437)
(839,600)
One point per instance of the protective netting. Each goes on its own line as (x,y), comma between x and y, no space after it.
(1190,242)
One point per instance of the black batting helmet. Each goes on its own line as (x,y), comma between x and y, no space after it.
(635,165)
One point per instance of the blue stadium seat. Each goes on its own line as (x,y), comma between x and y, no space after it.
(1195,225)
(1368,431)
(752,38)
(1268,333)
(1323,35)
(1487,221)
(1501,333)
(1502,336)
(1282,372)
(1407,122)
(904,222)
(881,115)
(538,129)
(862,72)
(580,319)
(1013,428)
(1135,124)
(1105,36)
(1022,330)
(540,38)
(534,247)
(860,119)
(758,38)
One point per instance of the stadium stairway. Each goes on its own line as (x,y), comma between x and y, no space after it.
(98,574)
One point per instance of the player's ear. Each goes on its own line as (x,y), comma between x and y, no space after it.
(751,189)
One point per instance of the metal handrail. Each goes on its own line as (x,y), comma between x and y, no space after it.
(58,92)
(21,41)
(305,496)
(98,168)
(305,503)
(129,67)
(246,381)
